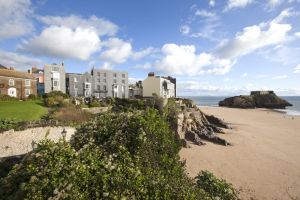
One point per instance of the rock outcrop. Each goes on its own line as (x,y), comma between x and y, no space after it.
(196,127)
(257,99)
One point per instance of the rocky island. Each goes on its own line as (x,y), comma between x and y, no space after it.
(256,99)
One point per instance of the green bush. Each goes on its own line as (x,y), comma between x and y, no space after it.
(215,187)
(7,124)
(55,94)
(32,97)
(4,97)
(94,103)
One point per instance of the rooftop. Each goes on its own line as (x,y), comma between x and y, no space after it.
(15,74)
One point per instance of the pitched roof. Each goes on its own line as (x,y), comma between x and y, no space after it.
(2,67)
(15,74)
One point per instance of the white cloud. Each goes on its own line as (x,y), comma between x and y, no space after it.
(204,13)
(64,42)
(245,75)
(212,3)
(256,37)
(21,62)
(280,77)
(14,18)
(185,29)
(183,60)
(117,51)
(274,3)
(101,26)
(297,69)
(237,4)
(145,66)
(143,53)
(297,34)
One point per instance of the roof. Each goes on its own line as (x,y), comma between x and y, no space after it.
(15,74)
(2,67)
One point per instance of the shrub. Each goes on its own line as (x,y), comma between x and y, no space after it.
(7,98)
(94,103)
(71,115)
(55,94)
(32,97)
(7,124)
(216,187)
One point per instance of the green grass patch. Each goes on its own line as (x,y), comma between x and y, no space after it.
(22,110)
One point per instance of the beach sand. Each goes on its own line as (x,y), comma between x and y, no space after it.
(264,161)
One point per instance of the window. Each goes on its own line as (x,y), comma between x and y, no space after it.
(104,80)
(27,92)
(98,73)
(11,82)
(104,87)
(12,92)
(115,75)
(104,74)
(98,79)
(27,83)
(98,87)
(55,69)
(123,75)
(115,80)
(87,86)
(55,83)
(123,81)
(75,86)
(75,79)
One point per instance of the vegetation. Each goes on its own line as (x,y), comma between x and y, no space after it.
(22,110)
(7,124)
(7,98)
(55,99)
(115,155)
(215,187)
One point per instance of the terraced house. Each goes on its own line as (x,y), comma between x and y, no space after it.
(17,84)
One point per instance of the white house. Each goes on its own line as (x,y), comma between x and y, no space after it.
(161,86)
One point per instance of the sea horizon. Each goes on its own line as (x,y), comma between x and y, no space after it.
(213,101)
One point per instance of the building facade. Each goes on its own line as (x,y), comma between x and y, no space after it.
(54,78)
(17,84)
(160,86)
(136,90)
(39,75)
(109,83)
(79,85)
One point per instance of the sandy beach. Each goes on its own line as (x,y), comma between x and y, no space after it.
(264,161)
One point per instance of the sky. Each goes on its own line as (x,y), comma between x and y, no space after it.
(212,47)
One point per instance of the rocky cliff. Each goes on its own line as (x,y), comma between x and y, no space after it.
(257,99)
(192,125)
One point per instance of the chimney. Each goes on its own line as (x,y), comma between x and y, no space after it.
(151,74)
(11,68)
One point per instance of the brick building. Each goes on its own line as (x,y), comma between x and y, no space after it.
(17,84)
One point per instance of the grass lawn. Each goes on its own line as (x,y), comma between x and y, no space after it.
(22,110)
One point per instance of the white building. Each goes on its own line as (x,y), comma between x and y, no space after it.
(161,86)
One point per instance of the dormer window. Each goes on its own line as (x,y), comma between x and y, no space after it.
(27,83)
(11,82)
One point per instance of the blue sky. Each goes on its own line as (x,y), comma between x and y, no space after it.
(212,47)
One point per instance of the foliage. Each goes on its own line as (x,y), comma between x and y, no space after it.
(7,124)
(71,115)
(32,97)
(55,94)
(55,99)
(4,97)
(22,110)
(215,187)
(94,103)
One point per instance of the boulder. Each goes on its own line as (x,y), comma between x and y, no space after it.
(257,99)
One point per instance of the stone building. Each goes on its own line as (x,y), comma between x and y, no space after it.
(55,78)
(17,84)
(79,84)
(160,86)
(109,83)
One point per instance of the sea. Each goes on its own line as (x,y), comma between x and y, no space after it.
(214,101)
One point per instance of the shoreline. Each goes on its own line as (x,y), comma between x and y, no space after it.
(286,111)
(263,162)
